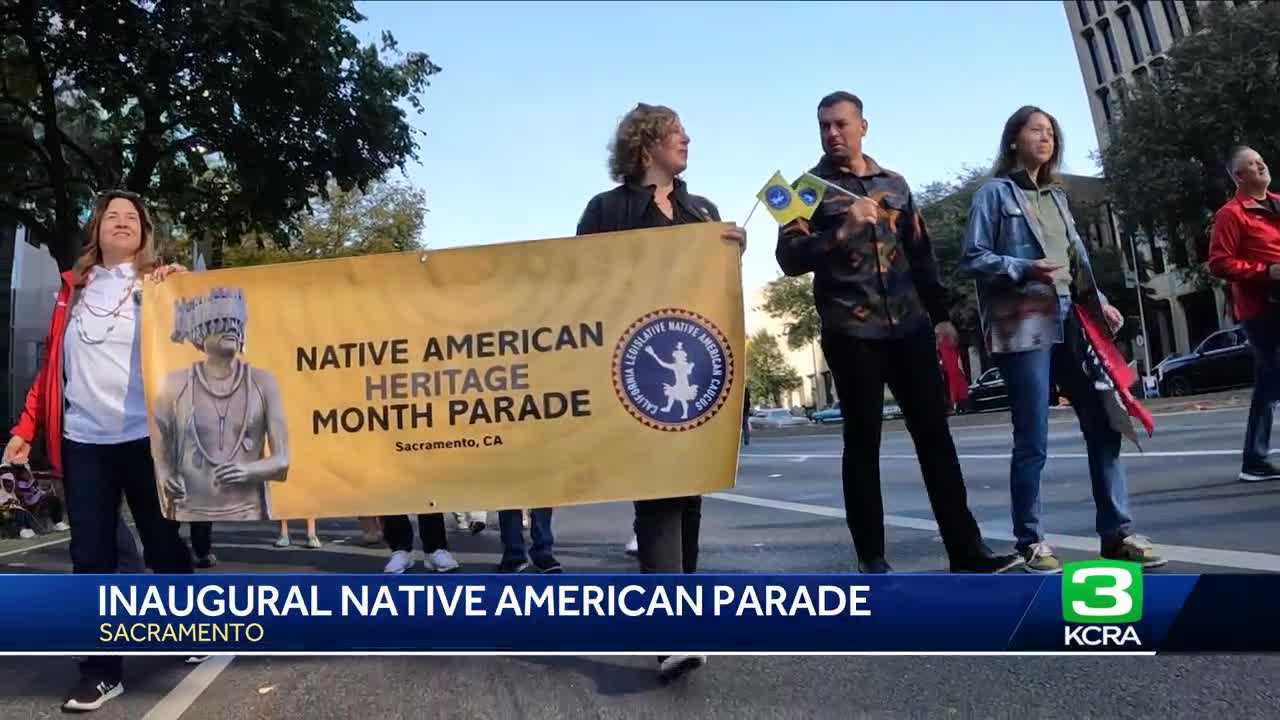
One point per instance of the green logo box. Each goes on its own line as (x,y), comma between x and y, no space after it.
(1102,592)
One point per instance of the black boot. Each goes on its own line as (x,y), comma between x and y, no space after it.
(874,566)
(1259,470)
(980,559)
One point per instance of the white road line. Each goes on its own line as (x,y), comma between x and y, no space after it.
(1072,420)
(1235,559)
(37,546)
(180,698)
(1001,456)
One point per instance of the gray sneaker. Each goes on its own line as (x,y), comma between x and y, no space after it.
(1134,548)
(1041,560)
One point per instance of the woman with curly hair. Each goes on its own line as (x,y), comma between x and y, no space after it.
(648,152)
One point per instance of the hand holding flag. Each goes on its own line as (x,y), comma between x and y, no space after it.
(798,200)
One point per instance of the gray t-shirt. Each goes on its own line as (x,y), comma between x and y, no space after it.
(1053,228)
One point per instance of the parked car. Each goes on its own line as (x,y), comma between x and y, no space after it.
(829,415)
(776,418)
(989,392)
(891,412)
(1223,360)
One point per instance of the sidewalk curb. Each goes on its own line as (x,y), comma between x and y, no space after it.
(1157,406)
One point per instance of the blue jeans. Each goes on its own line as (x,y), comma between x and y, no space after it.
(1264,340)
(511,526)
(1028,376)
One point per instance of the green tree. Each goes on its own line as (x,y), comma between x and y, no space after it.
(387,218)
(791,300)
(945,209)
(1165,162)
(768,374)
(230,117)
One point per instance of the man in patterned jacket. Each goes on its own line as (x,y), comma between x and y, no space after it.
(878,293)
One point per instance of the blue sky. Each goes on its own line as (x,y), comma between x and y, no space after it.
(518,122)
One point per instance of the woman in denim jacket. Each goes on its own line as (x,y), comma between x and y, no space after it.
(1031,266)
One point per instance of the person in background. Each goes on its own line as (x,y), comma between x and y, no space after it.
(514,557)
(1032,268)
(202,544)
(370,531)
(746,417)
(957,384)
(649,151)
(398,534)
(1245,251)
(313,540)
(882,305)
(474,521)
(88,403)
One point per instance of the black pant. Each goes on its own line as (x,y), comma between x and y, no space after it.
(398,532)
(202,538)
(910,367)
(667,533)
(96,477)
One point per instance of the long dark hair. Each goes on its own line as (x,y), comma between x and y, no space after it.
(1007,155)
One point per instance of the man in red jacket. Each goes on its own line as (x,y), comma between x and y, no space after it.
(1245,250)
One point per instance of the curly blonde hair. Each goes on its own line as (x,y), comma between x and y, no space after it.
(640,129)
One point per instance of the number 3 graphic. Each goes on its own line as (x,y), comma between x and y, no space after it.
(1117,591)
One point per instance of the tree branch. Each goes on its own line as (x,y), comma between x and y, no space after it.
(187,143)
(20,139)
(28,219)
(22,106)
(30,188)
(94,167)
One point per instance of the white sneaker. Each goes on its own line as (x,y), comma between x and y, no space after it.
(313,542)
(633,547)
(62,526)
(441,561)
(400,561)
(26,533)
(282,541)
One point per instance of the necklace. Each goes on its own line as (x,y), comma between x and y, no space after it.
(239,375)
(100,312)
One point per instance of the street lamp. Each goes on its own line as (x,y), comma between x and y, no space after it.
(1137,283)
(813,349)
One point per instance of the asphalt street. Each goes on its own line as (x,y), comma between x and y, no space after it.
(784,515)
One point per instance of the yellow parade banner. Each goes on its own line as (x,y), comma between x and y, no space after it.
(543,373)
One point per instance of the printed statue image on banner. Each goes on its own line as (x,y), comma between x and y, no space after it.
(217,419)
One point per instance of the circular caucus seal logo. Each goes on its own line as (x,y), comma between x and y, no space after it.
(777,197)
(809,196)
(672,370)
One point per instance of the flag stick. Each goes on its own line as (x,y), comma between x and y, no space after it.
(835,187)
(753,212)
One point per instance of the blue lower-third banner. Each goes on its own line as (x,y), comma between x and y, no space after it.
(1094,606)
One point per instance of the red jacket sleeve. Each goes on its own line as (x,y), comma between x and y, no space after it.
(33,411)
(1224,251)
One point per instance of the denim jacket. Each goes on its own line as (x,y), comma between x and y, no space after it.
(1002,240)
